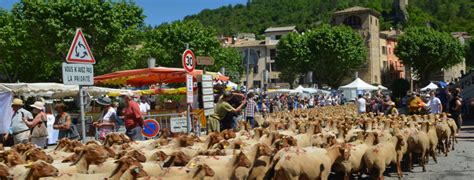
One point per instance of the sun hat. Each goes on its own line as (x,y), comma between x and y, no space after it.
(38,105)
(104,101)
(17,102)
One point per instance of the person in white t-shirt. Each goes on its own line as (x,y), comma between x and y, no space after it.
(144,106)
(434,104)
(361,105)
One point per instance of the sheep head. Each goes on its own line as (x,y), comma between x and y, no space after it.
(41,169)
(181,159)
(138,172)
(242,160)
(125,163)
(137,155)
(5,172)
(204,168)
(13,158)
(37,154)
(185,141)
(264,150)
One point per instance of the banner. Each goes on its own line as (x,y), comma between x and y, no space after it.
(5,111)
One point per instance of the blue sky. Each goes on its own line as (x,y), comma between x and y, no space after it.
(159,11)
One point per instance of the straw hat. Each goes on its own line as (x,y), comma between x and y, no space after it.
(38,105)
(104,101)
(17,102)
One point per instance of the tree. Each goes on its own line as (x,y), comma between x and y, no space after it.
(291,53)
(167,42)
(339,49)
(36,37)
(428,51)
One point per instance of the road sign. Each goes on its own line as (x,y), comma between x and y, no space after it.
(78,74)
(150,128)
(178,124)
(189,61)
(205,60)
(189,88)
(80,51)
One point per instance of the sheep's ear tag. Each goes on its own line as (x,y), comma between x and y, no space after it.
(225,146)
(193,165)
(29,164)
(136,170)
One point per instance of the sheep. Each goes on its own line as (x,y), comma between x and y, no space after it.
(263,162)
(433,141)
(444,133)
(91,154)
(34,171)
(383,154)
(295,166)
(5,172)
(37,154)
(355,161)
(419,142)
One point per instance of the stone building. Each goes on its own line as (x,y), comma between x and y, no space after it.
(366,22)
(265,50)
(454,73)
(392,67)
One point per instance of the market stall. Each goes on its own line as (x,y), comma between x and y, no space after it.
(350,90)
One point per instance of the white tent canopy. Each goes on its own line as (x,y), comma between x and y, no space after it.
(359,84)
(350,90)
(382,87)
(430,86)
(56,90)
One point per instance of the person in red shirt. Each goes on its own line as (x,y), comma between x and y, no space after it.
(133,119)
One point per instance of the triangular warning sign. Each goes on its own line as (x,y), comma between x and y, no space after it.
(80,51)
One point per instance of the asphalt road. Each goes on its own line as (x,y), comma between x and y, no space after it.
(459,164)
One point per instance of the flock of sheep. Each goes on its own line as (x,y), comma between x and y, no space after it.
(306,144)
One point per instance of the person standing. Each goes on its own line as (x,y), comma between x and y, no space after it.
(434,103)
(18,128)
(107,121)
(455,105)
(361,105)
(133,119)
(250,110)
(64,123)
(311,102)
(144,106)
(223,116)
(39,131)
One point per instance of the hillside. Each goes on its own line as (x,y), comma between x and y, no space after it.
(257,15)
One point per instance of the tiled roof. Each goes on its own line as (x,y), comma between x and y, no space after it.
(278,29)
(356,9)
(248,43)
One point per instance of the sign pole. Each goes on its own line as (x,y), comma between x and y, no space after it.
(188,111)
(83,122)
(247,71)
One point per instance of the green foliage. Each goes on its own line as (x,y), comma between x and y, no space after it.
(167,42)
(428,51)
(258,15)
(291,54)
(338,48)
(35,37)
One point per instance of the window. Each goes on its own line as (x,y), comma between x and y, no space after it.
(389,50)
(272,54)
(278,37)
(385,65)
(274,81)
(384,49)
(274,67)
(370,19)
(353,21)
(256,84)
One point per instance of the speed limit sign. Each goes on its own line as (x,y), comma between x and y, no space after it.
(189,60)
